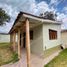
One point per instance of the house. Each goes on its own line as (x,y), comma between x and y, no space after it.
(4,38)
(36,34)
(64,38)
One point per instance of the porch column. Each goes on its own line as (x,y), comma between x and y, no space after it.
(14,41)
(28,43)
(19,47)
(22,39)
(11,40)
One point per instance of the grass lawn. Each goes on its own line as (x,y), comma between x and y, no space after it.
(59,61)
(6,54)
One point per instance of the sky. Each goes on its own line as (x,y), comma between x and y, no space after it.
(13,7)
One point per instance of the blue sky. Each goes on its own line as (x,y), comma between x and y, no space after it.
(13,7)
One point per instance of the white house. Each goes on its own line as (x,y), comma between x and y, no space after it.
(45,35)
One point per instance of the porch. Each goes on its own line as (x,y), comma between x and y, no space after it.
(23,25)
(35,60)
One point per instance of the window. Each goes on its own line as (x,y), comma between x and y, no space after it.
(31,35)
(52,34)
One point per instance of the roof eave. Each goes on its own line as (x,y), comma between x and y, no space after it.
(33,17)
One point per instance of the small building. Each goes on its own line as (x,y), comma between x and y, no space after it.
(4,38)
(38,35)
(64,38)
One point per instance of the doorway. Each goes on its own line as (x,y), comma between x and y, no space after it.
(24,40)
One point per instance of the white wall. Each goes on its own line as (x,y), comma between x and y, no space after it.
(4,38)
(37,42)
(51,43)
(64,38)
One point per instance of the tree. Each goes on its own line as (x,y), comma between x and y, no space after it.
(49,15)
(4,17)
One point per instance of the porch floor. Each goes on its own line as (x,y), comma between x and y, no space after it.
(35,60)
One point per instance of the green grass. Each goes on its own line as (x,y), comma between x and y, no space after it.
(59,61)
(6,54)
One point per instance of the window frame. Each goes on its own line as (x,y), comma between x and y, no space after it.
(52,34)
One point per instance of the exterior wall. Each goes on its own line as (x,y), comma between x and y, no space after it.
(64,38)
(51,43)
(41,39)
(4,38)
(37,42)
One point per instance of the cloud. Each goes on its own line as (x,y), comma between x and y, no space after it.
(12,7)
(65,10)
(41,7)
(62,17)
(20,5)
(8,8)
(12,13)
(55,3)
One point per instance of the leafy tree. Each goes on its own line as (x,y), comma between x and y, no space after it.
(49,15)
(4,17)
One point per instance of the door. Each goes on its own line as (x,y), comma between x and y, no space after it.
(24,40)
